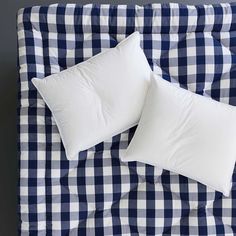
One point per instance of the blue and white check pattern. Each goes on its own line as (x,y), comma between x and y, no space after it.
(97,194)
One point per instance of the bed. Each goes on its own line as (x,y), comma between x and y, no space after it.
(97,194)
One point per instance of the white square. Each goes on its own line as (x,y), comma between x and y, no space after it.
(210,50)
(69,20)
(56,207)
(41,174)
(24,209)
(34,18)
(52,18)
(191,52)
(24,137)
(56,190)
(74,207)
(191,69)
(24,191)
(41,208)
(56,225)
(24,173)
(56,173)
(41,155)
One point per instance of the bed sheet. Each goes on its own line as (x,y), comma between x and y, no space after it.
(97,194)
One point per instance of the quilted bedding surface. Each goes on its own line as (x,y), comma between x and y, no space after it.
(97,194)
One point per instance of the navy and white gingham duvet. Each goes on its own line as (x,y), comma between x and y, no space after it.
(97,194)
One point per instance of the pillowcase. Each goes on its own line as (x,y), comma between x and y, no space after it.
(98,98)
(186,133)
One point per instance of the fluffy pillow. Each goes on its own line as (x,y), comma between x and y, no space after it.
(186,133)
(98,98)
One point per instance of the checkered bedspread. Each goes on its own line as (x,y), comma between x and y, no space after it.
(97,194)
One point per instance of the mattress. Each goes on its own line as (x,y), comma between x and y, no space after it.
(97,194)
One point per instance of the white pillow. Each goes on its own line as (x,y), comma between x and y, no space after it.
(98,98)
(186,133)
